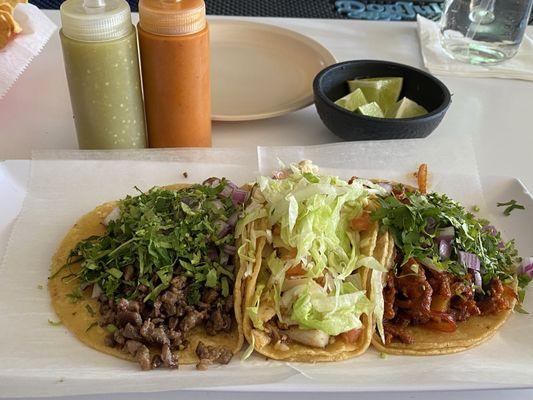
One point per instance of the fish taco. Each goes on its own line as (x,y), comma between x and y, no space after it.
(451,280)
(307,245)
(151,277)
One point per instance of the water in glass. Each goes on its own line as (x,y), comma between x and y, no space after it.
(483,31)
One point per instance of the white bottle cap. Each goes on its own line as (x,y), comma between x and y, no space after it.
(95,20)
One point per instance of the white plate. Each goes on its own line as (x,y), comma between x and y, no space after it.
(261,71)
(503,357)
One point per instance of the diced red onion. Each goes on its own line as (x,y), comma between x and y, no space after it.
(477,279)
(501,245)
(490,229)
(386,186)
(222,228)
(212,254)
(211,182)
(430,225)
(447,233)
(229,249)
(239,196)
(232,185)
(97,291)
(232,220)
(445,249)
(226,192)
(526,267)
(469,260)
(112,216)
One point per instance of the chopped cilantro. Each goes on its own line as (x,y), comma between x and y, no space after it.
(92,325)
(409,223)
(523,281)
(111,328)
(511,205)
(90,310)
(75,295)
(160,233)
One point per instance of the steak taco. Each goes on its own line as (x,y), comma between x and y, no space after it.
(451,281)
(151,277)
(307,245)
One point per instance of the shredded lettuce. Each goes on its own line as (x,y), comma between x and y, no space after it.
(312,214)
(315,310)
(249,350)
(378,300)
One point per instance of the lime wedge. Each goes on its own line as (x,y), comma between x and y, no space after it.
(406,108)
(385,91)
(371,110)
(352,100)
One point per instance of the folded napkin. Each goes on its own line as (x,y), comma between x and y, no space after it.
(17,55)
(438,62)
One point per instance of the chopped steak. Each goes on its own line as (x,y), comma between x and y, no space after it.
(212,354)
(132,346)
(191,320)
(170,359)
(154,332)
(143,357)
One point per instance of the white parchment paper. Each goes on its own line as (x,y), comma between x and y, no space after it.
(65,185)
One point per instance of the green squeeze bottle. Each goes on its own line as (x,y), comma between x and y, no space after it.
(102,66)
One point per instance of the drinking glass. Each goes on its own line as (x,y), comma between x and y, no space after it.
(483,31)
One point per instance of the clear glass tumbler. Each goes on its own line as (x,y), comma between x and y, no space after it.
(483,31)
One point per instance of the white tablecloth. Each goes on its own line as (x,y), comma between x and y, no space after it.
(497,113)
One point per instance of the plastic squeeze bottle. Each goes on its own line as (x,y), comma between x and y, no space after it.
(174,47)
(102,65)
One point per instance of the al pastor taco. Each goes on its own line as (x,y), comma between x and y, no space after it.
(307,245)
(451,280)
(151,278)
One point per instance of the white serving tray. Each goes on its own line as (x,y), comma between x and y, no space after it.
(500,364)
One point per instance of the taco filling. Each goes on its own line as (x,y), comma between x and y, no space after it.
(163,271)
(449,265)
(306,284)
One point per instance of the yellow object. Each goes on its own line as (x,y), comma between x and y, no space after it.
(371,110)
(406,108)
(384,91)
(76,319)
(8,26)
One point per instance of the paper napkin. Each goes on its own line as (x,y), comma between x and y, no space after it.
(17,55)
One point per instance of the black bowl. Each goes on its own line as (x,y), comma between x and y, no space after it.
(419,86)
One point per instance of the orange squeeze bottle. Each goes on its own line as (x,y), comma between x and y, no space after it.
(174,50)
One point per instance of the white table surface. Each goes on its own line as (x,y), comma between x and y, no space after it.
(36,114)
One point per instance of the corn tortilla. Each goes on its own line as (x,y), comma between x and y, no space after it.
(470,333)
(335,351)
(76,317)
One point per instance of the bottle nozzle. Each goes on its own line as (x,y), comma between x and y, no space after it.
(93,5)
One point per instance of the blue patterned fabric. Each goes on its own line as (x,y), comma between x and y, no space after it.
(340,9)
